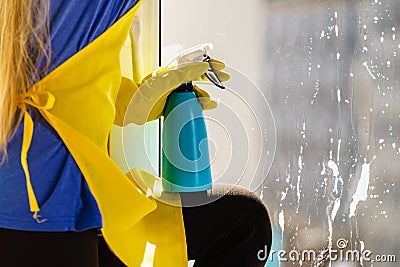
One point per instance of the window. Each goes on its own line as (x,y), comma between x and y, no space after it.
(329,70)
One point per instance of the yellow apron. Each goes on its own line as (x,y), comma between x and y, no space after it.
(78,100)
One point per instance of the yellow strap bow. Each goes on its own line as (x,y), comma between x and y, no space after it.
(42,100)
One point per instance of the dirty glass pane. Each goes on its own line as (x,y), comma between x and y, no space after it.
(330,72)
(332,77)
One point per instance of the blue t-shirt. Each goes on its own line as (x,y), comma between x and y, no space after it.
(65,202)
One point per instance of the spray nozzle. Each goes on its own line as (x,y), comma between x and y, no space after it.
(210,74)
(199,53)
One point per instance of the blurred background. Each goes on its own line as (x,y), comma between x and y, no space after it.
(310,120)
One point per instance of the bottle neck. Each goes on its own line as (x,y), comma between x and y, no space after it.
(185,87)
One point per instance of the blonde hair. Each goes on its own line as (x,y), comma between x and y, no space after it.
(24,43)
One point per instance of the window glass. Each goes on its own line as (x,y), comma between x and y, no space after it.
(329,71)
(135,146)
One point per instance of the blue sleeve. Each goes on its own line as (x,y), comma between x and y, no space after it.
(76,23)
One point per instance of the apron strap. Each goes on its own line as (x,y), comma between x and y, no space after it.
(42,100)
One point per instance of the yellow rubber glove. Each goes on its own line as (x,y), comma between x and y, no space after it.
(148,100)
(217,66)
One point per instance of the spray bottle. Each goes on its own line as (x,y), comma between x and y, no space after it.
(185,154)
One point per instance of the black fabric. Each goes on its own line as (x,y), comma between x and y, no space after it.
(48,249)
(228,231)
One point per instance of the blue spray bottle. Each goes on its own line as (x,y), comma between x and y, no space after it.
(185,154)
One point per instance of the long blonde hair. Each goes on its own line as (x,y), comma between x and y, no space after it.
(24,41)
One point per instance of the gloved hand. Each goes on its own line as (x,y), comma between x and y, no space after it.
(148,100)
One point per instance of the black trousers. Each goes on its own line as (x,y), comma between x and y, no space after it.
(228,231)
(45,249)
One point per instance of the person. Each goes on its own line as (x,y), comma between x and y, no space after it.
(58,185)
